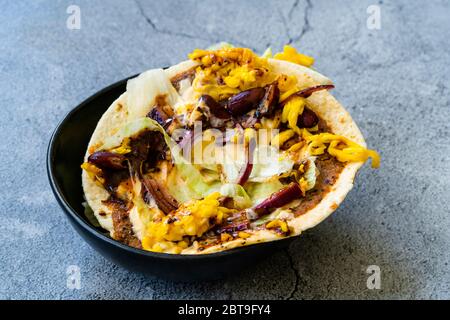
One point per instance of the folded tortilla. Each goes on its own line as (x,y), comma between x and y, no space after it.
(138,101)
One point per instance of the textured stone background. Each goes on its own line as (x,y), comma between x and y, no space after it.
(394,81)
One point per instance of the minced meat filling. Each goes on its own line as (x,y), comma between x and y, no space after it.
(329,169)
(123,230)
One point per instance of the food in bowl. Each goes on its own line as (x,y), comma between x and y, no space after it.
(224,150)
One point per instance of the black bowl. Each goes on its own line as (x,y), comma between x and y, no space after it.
(65,154)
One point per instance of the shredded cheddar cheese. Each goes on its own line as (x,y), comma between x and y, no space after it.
(296,147)
(292,55)
(287,86)
(224,237)
(278,224)
(282,137)
(93,172)
(191,219)
(244,235)
(228,71)
(124,148)
(341,148)
(291,110)
(303,185)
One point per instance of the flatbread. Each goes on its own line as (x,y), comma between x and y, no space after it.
(322,103)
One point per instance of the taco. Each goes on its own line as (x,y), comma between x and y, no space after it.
(226,149)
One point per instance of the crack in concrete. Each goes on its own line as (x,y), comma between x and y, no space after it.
(306,26)
(155,27)
(296,274)
(286,21)
(285,25)
(294,6)
(164,31)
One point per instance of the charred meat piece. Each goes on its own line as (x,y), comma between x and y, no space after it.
(279,199)
(108,160)
(308,119)
(188,74)
(148,147)
(269,102)
(123,229)
(159,193)
(113,178)
(245,101)
(246,121)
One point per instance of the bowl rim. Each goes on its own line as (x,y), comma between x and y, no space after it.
(67,208)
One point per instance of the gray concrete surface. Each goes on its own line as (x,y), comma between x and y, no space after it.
(394,81)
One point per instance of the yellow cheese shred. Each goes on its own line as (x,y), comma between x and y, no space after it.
(343,149)
(291,110)
(282,137)
(278,224)
(225,72)
(191,219)
(93,172)
(292,55)
(124,148)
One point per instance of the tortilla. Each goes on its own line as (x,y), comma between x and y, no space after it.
(322,103)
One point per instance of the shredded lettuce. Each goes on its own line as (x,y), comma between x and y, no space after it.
(191,175)
(177,187)
(310,174)
(237,192)
(261,191)
(128,130)
(268,162)
(142,90)
(141,213)
(268,53)
(220,45)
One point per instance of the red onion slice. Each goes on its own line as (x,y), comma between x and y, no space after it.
(108,160)
(279,199)
(247,169)
(305,93)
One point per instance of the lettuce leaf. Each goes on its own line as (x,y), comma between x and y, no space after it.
(268,162)
(310,174)
(261,191)
(237,192)
(191,175)
(268,53)
(220,45)
(142,90)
